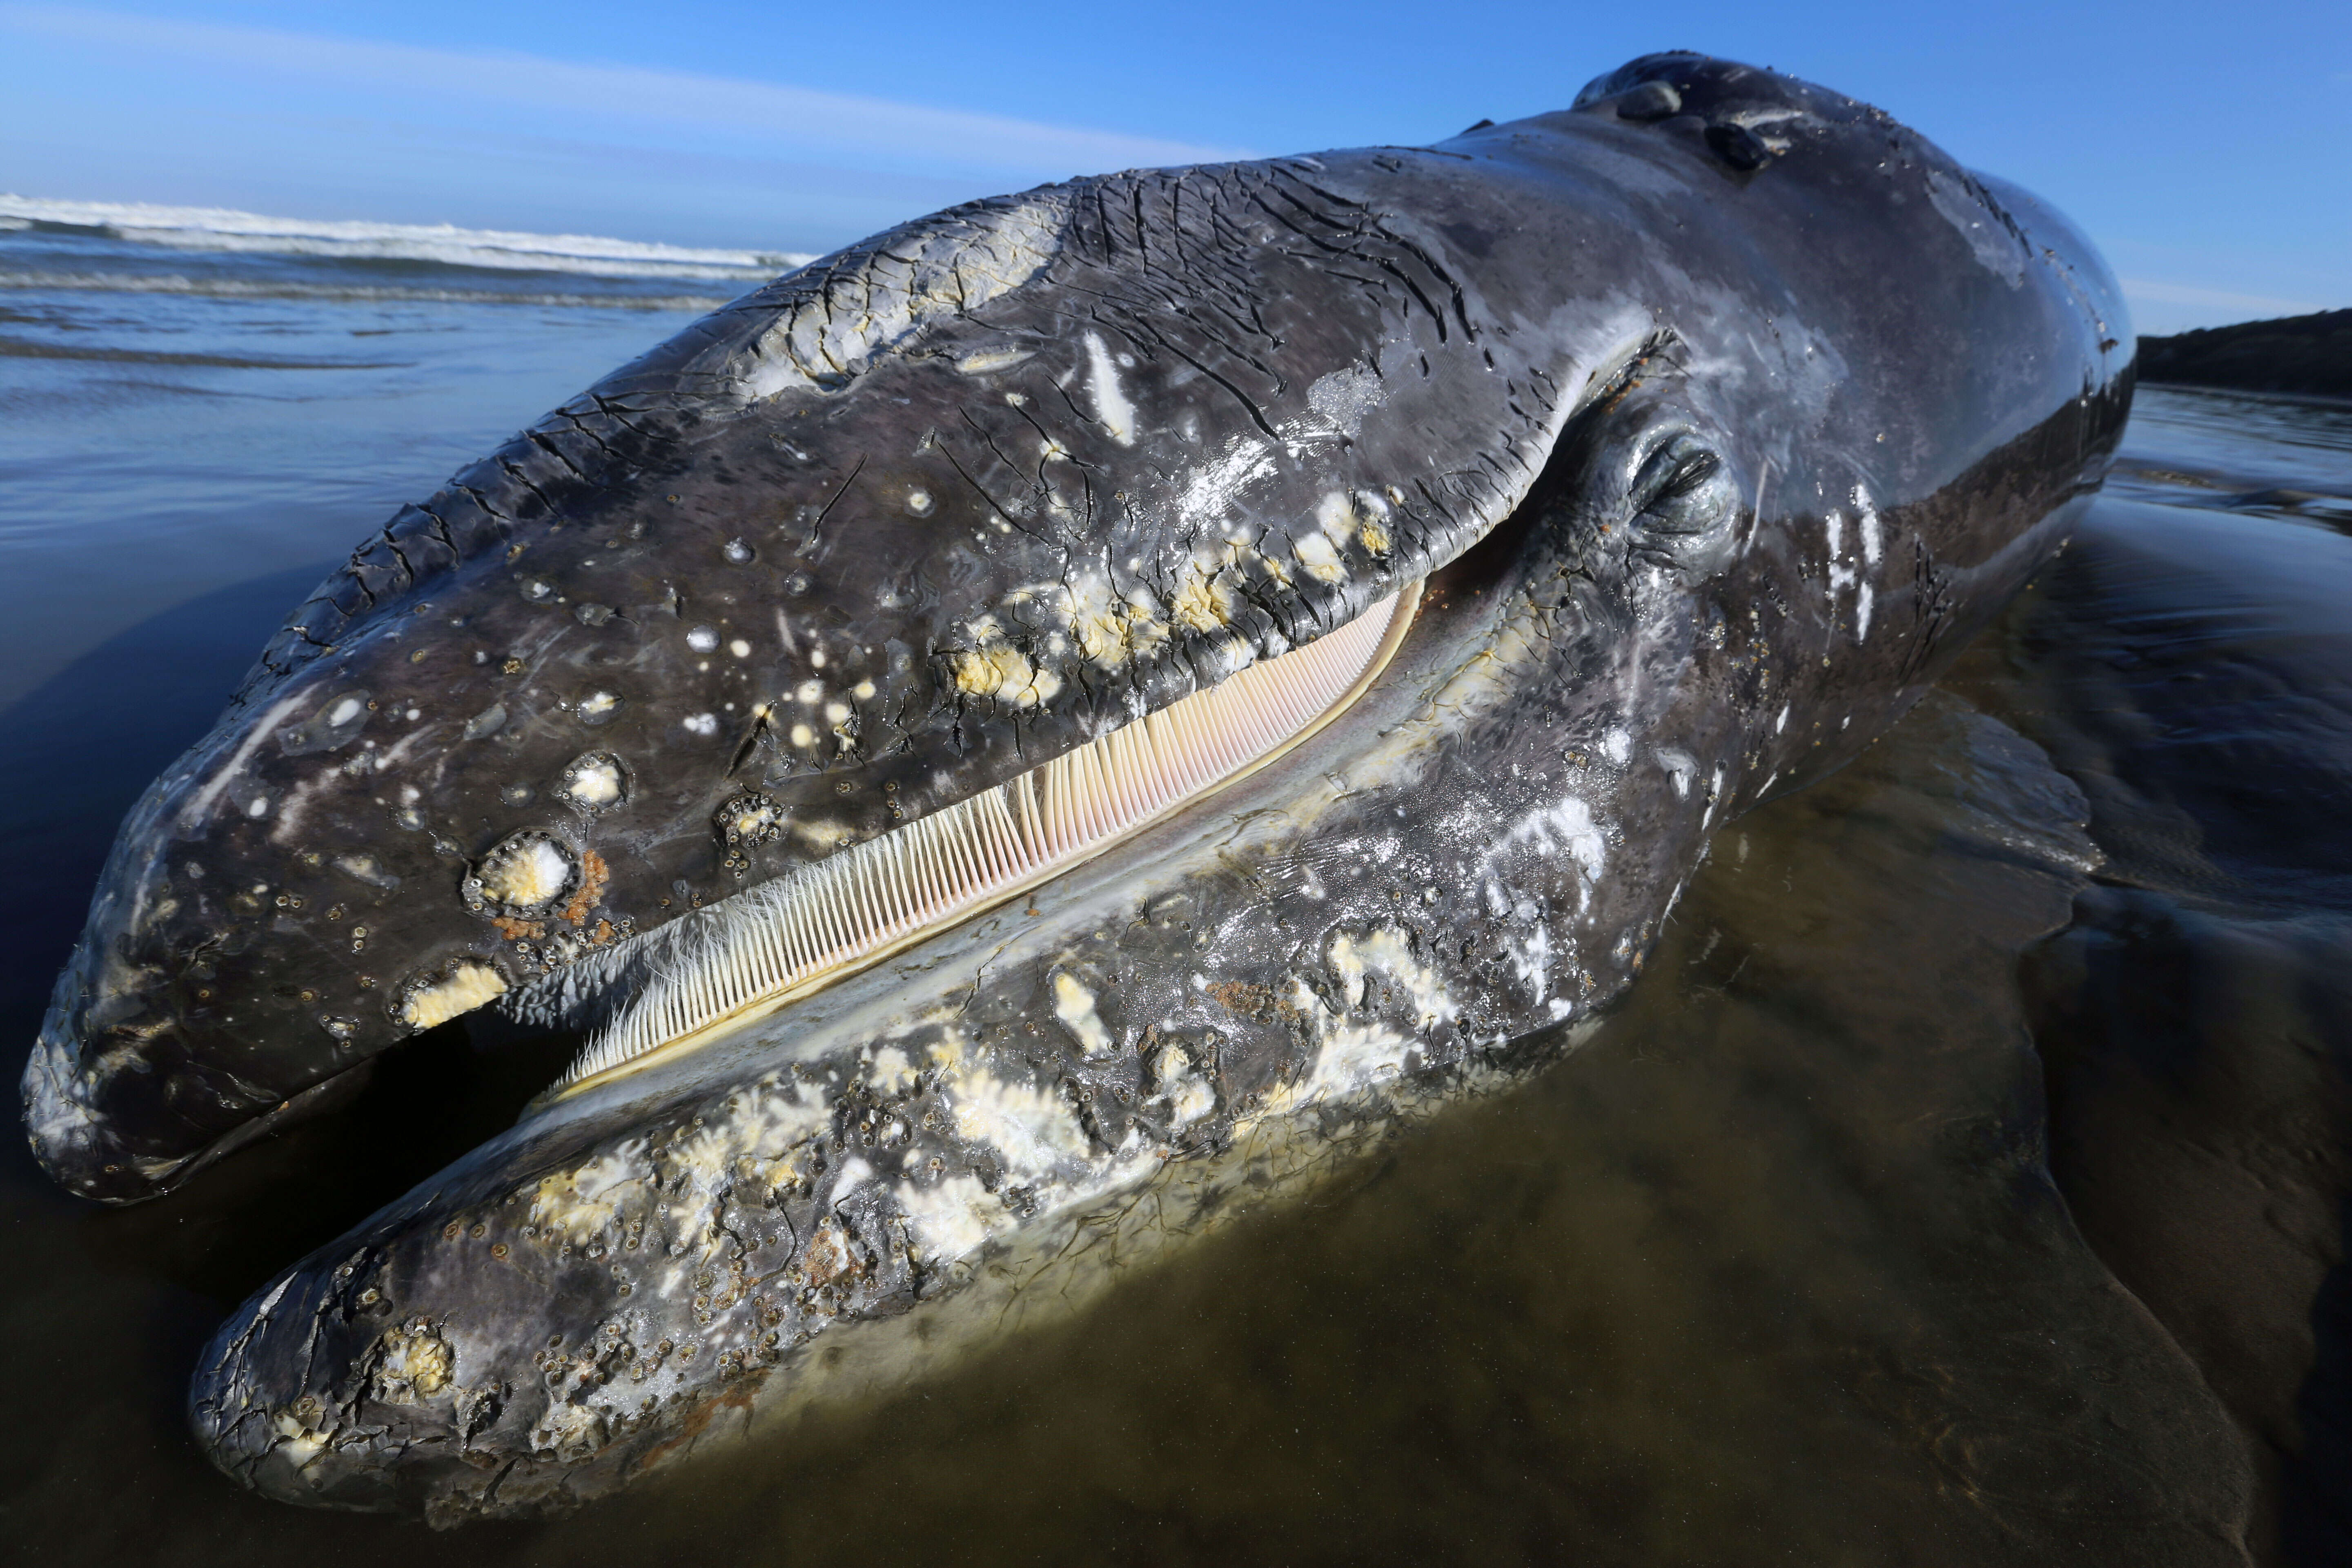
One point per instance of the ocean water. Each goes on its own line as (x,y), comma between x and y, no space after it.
(1964,1183)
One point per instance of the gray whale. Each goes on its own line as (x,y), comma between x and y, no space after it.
(1694,426)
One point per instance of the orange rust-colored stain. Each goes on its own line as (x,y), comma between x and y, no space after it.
(515,929)
(827,1259)
(593,877)
(1258,1001)
(736,1397)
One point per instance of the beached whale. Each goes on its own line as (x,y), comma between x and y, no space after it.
(1078,708)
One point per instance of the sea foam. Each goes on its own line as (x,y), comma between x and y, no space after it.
(224,230)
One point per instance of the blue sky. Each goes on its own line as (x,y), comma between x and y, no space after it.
(2203,145)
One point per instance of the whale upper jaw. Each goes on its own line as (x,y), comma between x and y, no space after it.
(860,546)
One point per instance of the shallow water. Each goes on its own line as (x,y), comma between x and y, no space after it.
(1786,1263)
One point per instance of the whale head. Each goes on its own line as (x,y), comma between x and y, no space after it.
(1020,703)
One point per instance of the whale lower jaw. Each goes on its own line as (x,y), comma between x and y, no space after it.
(1052,1269)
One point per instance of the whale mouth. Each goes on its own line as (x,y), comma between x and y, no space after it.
(755,952)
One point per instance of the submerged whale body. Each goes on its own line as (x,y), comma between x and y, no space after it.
(1075,709)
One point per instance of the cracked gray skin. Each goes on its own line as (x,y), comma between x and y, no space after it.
(1715,412)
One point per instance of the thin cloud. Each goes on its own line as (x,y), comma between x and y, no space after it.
(838,121)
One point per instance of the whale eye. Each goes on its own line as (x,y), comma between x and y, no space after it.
(1672,493)
(1682,504)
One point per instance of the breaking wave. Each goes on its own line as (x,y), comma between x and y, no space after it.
(347,293)
(222,229)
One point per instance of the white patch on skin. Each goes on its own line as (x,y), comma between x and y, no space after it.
(768,1123)
(824,838)
(803,736)
(297,1442)
(1843,575)
(1618,747)
(1781,722)
(597,705)
(262,730)
(579,1204)
(528,874)
(1353,1057)
(1872,531)
(471,986)
(1321,561)
(890,1071)
(1211,489)
(413,1363)
(852,1174)
(568,1429)
(366,868)
(1030,1129)
(1389,950)
(393,755)
(1188,1094)
(702,724)
(758,1134)
(1342,398)
(1108,628)
(810,691)
(598,783)
(1350,968)
(1074,1005)
(1204,600)
(1335,514)
(1531,959)
(739,648)
(1341,518)
(953,1218)
(702,639)
(996,669)
(1111,406)
(1566,827)
(984,362)
(1681,769)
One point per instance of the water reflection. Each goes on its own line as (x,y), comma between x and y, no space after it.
(2194,671)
